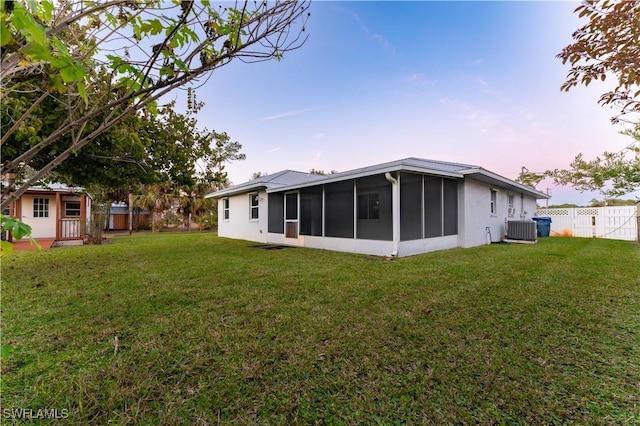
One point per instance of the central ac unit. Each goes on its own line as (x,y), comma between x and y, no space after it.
(523,230)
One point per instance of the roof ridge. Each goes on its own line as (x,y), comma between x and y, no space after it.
(450,163)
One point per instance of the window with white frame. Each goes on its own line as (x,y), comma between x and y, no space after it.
(494,201)
(253,206)
(511,203)
(225,208)
(40,207)
(369,206)
(72,209)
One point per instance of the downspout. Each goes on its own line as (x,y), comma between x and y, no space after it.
(395,212)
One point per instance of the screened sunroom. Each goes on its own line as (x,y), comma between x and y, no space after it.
(398,208)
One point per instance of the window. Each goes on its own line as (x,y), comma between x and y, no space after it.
(72,209)
(511,203)
(225,208)
(369,206)
(253,203)
(494,197)
(291,206)
(40,207)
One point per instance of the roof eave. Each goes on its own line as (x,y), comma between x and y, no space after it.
(236,190)
(501,180)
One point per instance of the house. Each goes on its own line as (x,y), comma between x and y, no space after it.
(58,213)
(398,208)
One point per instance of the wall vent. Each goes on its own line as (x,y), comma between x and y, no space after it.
(524,230)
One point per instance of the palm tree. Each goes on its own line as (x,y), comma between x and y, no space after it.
(155,198)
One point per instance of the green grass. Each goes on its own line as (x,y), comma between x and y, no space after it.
(211,330)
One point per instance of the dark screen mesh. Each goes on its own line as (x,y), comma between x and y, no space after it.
(276,213)
(410,206)
(432,206)
(339,209)
(450,197)
(311,211)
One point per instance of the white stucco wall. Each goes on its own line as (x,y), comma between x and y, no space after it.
(409,248)
(477,216)
(350,245)
(240,225)
(474,216)
(41,227)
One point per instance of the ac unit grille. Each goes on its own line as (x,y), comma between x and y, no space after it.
(524,230)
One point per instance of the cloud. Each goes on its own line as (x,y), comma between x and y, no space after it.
(286,114)
(276,149)
(486,88)
(482,120)
(378,38)
(417,79)
(319,135)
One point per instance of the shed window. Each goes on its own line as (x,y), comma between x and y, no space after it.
(253,202)
(225,208)
(40,207)
(72,209)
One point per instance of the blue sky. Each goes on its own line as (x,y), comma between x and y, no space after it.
(469,82)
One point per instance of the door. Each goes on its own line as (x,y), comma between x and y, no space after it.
(291,215)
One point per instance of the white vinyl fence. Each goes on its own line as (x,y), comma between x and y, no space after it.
(618,223)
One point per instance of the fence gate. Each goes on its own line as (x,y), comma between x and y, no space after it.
(618,223)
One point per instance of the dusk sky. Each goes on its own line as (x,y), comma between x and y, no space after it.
(468,82)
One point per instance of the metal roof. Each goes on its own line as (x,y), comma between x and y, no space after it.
(272,181)
(277,182)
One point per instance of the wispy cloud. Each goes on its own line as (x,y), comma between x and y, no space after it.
(319,135)
(286,114)
(417,79)
(482,120)
(380,39)
(487,89)
(276,149)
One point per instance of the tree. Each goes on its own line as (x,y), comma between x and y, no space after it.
(608,44)
(156,199)
(65,56)
(613,173)
(322,172)
(258,175)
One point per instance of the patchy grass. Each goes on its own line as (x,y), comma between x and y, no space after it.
(195,329)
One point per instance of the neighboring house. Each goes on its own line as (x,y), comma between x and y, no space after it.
(57,212)
(119,217)
(398,208)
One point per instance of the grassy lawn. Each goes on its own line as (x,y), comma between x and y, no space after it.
(195,329)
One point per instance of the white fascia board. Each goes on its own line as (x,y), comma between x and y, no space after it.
(235,190)
(505,181)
